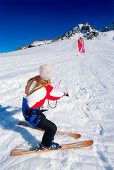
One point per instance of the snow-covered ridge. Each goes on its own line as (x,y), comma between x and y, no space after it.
(106,35)
(35,44)
(87,30)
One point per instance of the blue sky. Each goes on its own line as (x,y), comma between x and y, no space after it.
(23,21)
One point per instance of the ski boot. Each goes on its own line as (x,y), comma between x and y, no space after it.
(52,147)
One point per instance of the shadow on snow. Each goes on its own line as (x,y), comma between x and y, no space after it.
(9,122)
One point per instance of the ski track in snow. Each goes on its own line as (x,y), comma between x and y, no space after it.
(89,110)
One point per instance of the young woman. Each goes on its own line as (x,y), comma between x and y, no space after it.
(38,90)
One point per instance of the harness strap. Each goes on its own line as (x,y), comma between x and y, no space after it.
(33,116)
(30,112)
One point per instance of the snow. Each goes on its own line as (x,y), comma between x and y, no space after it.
(36,43)
(107,35)
(89,109)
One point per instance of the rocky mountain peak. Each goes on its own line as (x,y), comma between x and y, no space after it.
(88,31)
(109,28)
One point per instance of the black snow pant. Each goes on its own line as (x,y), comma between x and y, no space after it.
(50,129)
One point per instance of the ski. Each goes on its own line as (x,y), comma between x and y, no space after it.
(74,135)
(17,152)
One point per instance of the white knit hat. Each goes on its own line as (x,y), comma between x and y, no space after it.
(45,72)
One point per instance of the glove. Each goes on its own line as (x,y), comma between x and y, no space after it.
(67,94)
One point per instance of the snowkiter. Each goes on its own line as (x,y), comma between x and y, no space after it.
(38,90)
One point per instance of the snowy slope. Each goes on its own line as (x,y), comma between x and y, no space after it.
(89,110)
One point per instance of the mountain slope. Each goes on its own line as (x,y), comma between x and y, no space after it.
(109,27)
(87,30)
(89,80)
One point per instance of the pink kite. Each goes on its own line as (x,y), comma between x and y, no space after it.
(81,45)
